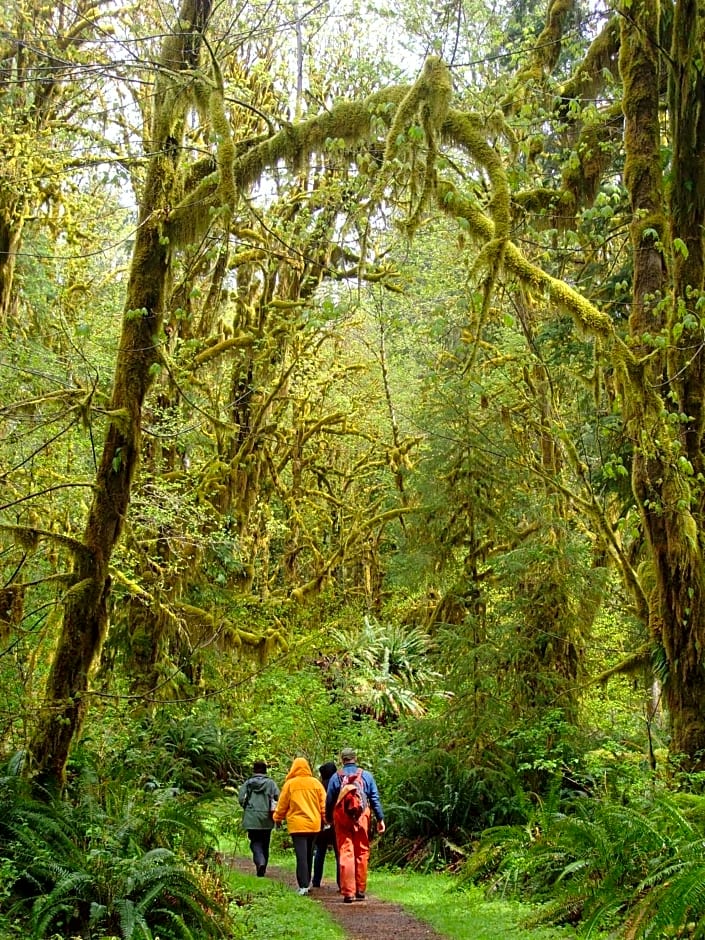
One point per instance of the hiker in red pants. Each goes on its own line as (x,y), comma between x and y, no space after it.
(351,798)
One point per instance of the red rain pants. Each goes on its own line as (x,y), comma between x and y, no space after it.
(353,840)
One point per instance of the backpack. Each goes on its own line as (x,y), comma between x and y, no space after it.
(352,794)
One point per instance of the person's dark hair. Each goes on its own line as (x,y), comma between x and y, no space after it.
(259,767)
(326,771)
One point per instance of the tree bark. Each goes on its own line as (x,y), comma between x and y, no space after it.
(85,607)
(10,240)
(672,510)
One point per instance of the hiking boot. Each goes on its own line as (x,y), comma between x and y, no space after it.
(359,895)
(261,869)
(348,900)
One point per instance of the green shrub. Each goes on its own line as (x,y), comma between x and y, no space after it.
(127,869)
(437,806)
(637,869)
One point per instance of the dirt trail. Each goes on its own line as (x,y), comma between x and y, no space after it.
(371,919)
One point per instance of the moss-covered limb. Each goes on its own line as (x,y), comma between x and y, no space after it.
(592,153)
(215,622)
(70,396)
(133,588)
(469,132)
(547,49)
(210,184)
(539,200)
(87,15)
(350,121)
(588,79)
(357,534)
(30,537)
(543,60)
(639,67)
(427,101)
(585,314)
(205,168)
(243,341)
(631,664)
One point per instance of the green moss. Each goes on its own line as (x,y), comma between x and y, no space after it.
(589,77)
(468,131)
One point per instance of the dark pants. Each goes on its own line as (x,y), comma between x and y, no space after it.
(259,846)
(303,849)
(324,840)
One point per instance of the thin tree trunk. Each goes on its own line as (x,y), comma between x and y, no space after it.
(10,240)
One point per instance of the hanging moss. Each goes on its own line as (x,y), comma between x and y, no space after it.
(548,44)
(468,131)
(588,79)
(583,172)
(543,60)
(585,314)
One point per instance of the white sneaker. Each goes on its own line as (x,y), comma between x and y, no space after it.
(302,891)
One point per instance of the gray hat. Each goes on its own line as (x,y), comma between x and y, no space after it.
(348,755)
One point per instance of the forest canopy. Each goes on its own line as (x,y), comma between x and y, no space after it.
(353,386)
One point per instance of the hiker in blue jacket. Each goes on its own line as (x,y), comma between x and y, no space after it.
(258,797)
(353,833)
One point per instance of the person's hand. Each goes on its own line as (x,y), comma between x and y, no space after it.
(381,826)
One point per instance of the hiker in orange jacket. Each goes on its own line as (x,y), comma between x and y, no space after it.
(353,834)
(302,803)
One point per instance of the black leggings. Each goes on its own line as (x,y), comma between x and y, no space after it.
(303,849)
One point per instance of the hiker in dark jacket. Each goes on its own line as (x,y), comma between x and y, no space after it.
(326,837)
(353,835)
(258,797)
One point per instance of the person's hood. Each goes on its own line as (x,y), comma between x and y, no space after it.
(300,768)
(258,783)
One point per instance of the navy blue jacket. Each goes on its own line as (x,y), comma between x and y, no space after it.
(369,786)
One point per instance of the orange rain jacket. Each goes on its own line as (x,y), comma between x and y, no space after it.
(302,801)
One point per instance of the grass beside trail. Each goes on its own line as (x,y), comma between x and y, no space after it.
(462,913)
(265,908)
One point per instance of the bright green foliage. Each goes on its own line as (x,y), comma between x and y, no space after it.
(605,864)
(464,913)
(438,804)
(386,668)
(119,869)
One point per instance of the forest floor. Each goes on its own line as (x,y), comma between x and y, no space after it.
(371,919)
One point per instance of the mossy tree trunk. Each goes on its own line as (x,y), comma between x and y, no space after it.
(665,409)
(679,557)
(85,606)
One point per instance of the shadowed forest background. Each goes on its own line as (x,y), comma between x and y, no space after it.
(353,391)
